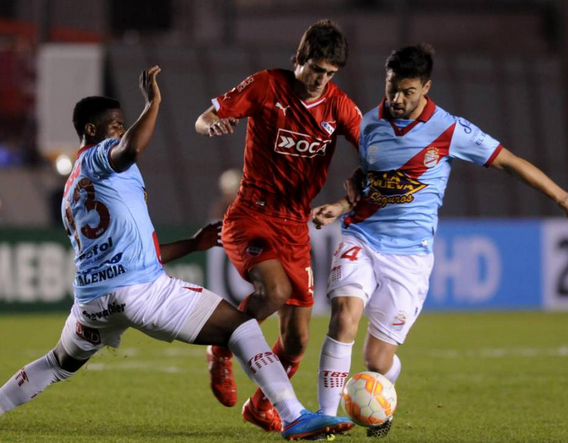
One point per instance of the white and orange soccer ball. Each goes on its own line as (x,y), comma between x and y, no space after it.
(369,399)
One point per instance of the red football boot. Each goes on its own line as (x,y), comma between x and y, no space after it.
(222,381)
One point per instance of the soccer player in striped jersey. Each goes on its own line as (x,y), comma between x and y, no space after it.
(384,260)
(294,118)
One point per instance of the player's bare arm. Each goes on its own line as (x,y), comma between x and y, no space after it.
(354,186)
(532,176)
(211,125)
(327,214)
(206,238)
(136,139)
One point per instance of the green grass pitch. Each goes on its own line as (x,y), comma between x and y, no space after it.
(481,377)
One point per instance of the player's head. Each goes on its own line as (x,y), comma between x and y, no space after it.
(98,118)
(322,51)
(408,72)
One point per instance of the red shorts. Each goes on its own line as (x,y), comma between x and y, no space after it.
(250,238)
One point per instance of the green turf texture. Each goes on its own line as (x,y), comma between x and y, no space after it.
(480,377)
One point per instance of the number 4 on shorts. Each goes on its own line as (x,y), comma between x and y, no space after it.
(351,253)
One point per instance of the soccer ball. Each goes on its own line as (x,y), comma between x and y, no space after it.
(369,399)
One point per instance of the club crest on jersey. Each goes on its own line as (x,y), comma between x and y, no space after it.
(399,321)
(392,187)
(328,126)
(298,144)
(431,157)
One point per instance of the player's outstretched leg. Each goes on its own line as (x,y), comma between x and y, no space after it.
(222,380)
(264,368)
(258,410)
(30,381)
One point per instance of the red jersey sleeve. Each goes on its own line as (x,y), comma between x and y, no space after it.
(246,99)
(349,120)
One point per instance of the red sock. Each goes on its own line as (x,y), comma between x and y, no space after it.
(290,364)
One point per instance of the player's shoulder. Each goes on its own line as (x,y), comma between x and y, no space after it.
(440,114)
(370,117)
(93,157)
(277,75)
(335,92)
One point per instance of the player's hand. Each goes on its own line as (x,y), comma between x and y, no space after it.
(354,186)
(149,85)
(223,126)
(208,237)
(326,214)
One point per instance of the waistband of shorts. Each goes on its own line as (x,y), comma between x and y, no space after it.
(267,203)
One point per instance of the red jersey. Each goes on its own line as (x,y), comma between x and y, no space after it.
(289,142)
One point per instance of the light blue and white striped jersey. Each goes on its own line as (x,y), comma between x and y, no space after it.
(407,166)
(106,218)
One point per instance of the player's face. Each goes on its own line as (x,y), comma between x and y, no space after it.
(406,96)
(314,76)
(111,124)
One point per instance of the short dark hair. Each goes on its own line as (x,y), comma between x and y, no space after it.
(412,62)
(89,110)
(323,41)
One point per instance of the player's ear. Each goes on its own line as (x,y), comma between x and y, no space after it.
(426,87)
(90,129)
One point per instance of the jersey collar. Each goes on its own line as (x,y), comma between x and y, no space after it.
(424,116)
(83,149)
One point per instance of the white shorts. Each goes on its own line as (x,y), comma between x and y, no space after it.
(167,309)
(393,287)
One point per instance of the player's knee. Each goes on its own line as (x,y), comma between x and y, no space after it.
(343,325)
(295,343)
(274,296)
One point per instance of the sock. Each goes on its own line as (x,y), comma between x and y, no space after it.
(335,362)
(290,365)
(222,351)
(394,371)
(30,381)
(263,367)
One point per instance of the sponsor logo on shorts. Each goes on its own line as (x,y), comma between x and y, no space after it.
(113,308)
(431,157)
(399,321)
(392,187)
(255,251)
(299,145)
(91,335)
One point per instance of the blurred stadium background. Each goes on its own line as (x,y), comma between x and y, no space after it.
(502,64)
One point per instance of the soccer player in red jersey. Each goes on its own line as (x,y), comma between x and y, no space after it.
(294,118)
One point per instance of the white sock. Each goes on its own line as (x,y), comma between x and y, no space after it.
(30,381)
(335,362)
(264,368)
(394,371)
